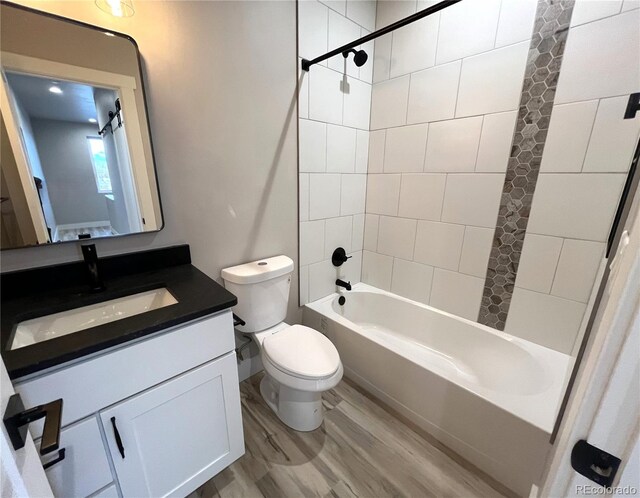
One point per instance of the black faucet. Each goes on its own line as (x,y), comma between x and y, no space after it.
(90,255)
(342,283)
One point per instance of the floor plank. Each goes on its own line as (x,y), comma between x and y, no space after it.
(361,450)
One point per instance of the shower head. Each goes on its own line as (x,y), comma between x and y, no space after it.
(359,56)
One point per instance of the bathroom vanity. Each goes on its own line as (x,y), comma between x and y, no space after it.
(151,403)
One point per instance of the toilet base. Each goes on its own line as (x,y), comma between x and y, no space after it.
(300,410)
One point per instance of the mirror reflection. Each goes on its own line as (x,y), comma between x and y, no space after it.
(76,150)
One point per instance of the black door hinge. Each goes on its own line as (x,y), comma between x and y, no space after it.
(594,463)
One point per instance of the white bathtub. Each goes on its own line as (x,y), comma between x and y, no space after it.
(489,396)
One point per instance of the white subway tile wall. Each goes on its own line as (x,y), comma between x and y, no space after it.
(461,106)
(334,142)
(402,161)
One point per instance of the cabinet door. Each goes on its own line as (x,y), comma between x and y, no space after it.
(85,468)
(174,437)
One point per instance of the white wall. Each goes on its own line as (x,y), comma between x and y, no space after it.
(333,142)
(444,104)
(68,170)
(221,89)
(34,162)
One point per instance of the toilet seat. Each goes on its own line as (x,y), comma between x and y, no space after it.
(302,352)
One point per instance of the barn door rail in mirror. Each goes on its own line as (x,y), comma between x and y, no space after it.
(77,157)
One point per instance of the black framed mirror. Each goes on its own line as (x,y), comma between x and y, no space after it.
(76,152)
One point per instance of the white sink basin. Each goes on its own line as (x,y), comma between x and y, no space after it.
(70,321)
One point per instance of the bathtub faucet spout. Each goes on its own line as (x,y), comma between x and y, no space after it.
(342,283)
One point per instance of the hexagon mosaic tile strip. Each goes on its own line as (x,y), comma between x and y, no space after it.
(536,103)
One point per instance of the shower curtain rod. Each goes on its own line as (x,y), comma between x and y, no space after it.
(306,64)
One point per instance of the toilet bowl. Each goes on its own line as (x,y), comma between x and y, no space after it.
(300,363)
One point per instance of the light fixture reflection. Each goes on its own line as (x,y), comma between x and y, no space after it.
(117,8)
(93,120)
(55,89)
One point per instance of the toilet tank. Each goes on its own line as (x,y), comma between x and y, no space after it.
(262,289)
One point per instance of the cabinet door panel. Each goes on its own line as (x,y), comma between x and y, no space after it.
(177,435)
(85,468)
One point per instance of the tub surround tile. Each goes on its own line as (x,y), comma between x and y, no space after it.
(452,146)
(382,58)
(536,96)
(421,196)
(339,6)
(311,242)
(313,20)
(325,96)
(371,222)
(304,196)
(377,270)
(376,151)
(439,244)
(597,50)
(357,104)
(492,82)
(389,103)
(351,271)
(341,149)
(362,151)
(390,11)
(414,46)
(383,193)
(313,146)
(363,12)
(547,320)
(396,237)
(591,10)
(613,139)
(456,293)
(577,268)
(404,149)
(366,71)
(568,137)
(516,21)
(575,206)
(357,235)
(322,279)
(475,251)
(467,29)
(341,31)
(353,194)
(433,93)
(412,280)
(472,199)
(538,262)
(495,142)
(324,196)
(338,233)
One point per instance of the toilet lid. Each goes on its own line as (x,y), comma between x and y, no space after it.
(302,351)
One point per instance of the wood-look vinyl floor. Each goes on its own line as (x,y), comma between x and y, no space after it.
(361,450)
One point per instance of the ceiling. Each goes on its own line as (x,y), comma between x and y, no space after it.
(75,103)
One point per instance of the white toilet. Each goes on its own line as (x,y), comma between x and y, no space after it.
(300,363)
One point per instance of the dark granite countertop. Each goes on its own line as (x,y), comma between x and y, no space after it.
(196,293)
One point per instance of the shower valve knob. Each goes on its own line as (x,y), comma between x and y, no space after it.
(339,256)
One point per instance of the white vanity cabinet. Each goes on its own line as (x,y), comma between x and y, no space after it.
(157,417)
(177,434)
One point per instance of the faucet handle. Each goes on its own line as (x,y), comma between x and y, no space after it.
(339,256)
